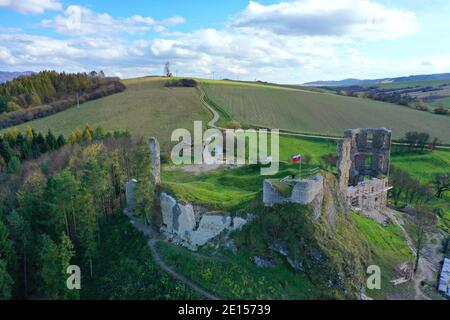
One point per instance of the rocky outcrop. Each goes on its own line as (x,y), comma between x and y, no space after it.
(263,263)
(209,228)
(193,226)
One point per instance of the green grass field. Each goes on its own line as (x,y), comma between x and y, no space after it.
(412,84)
(145,108)
(423,166)
(320,113)
(445,102)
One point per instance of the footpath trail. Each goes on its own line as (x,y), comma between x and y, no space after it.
(213,124)
(150,234)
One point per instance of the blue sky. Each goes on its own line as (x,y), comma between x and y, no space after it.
(290,41)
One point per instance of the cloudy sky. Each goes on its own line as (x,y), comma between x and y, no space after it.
(282,41)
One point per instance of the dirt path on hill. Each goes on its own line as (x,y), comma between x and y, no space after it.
(216,115)
(149,233)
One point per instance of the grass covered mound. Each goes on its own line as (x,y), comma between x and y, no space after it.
(224,189)
(331,249)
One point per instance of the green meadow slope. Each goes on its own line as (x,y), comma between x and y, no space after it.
(319,113)
(145,108)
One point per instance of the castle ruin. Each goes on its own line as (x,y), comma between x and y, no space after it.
(363,173)
(363,168)
(155,160)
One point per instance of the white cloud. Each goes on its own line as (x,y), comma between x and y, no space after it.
(354,18)
(6,57)
(282,43)
(173,21)
(31,6)
(78,20)
(441,61)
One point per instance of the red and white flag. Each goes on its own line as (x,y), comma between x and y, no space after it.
(297,159)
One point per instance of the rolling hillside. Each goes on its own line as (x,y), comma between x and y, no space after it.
(394,81)
(310,112)
(145,108)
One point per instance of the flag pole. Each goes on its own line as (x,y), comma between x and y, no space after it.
(300,169)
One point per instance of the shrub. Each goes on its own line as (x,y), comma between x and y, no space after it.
(442,110)
(189,83)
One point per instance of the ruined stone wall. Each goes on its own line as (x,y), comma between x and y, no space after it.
(155,160)
(129,194)
(304,192)
(369,195)
(271,196)
(344,163)
(368,158)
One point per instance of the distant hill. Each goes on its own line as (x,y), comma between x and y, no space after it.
(7,76)
(359,82)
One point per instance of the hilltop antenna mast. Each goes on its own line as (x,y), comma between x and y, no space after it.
(167,72)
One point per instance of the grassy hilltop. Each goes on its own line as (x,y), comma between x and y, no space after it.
(145,108)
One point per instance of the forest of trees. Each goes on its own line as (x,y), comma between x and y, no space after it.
(43,88)
(47,92)
(16,146)
(52,205)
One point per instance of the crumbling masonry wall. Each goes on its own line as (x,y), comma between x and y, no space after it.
(155,162)
(363,167)
(304,191)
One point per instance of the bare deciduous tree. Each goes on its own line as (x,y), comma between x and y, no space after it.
(424,220)
(441,183)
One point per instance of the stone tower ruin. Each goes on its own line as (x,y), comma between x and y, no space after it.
(155,162)
(363,168)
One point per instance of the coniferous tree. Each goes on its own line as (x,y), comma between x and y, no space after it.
(88,134)
(61,141)
(14,165)
(144,188)
(55,260)
(7,256)
(51,140)
(21,234)
(100,132)
(6,282)
(5,150)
